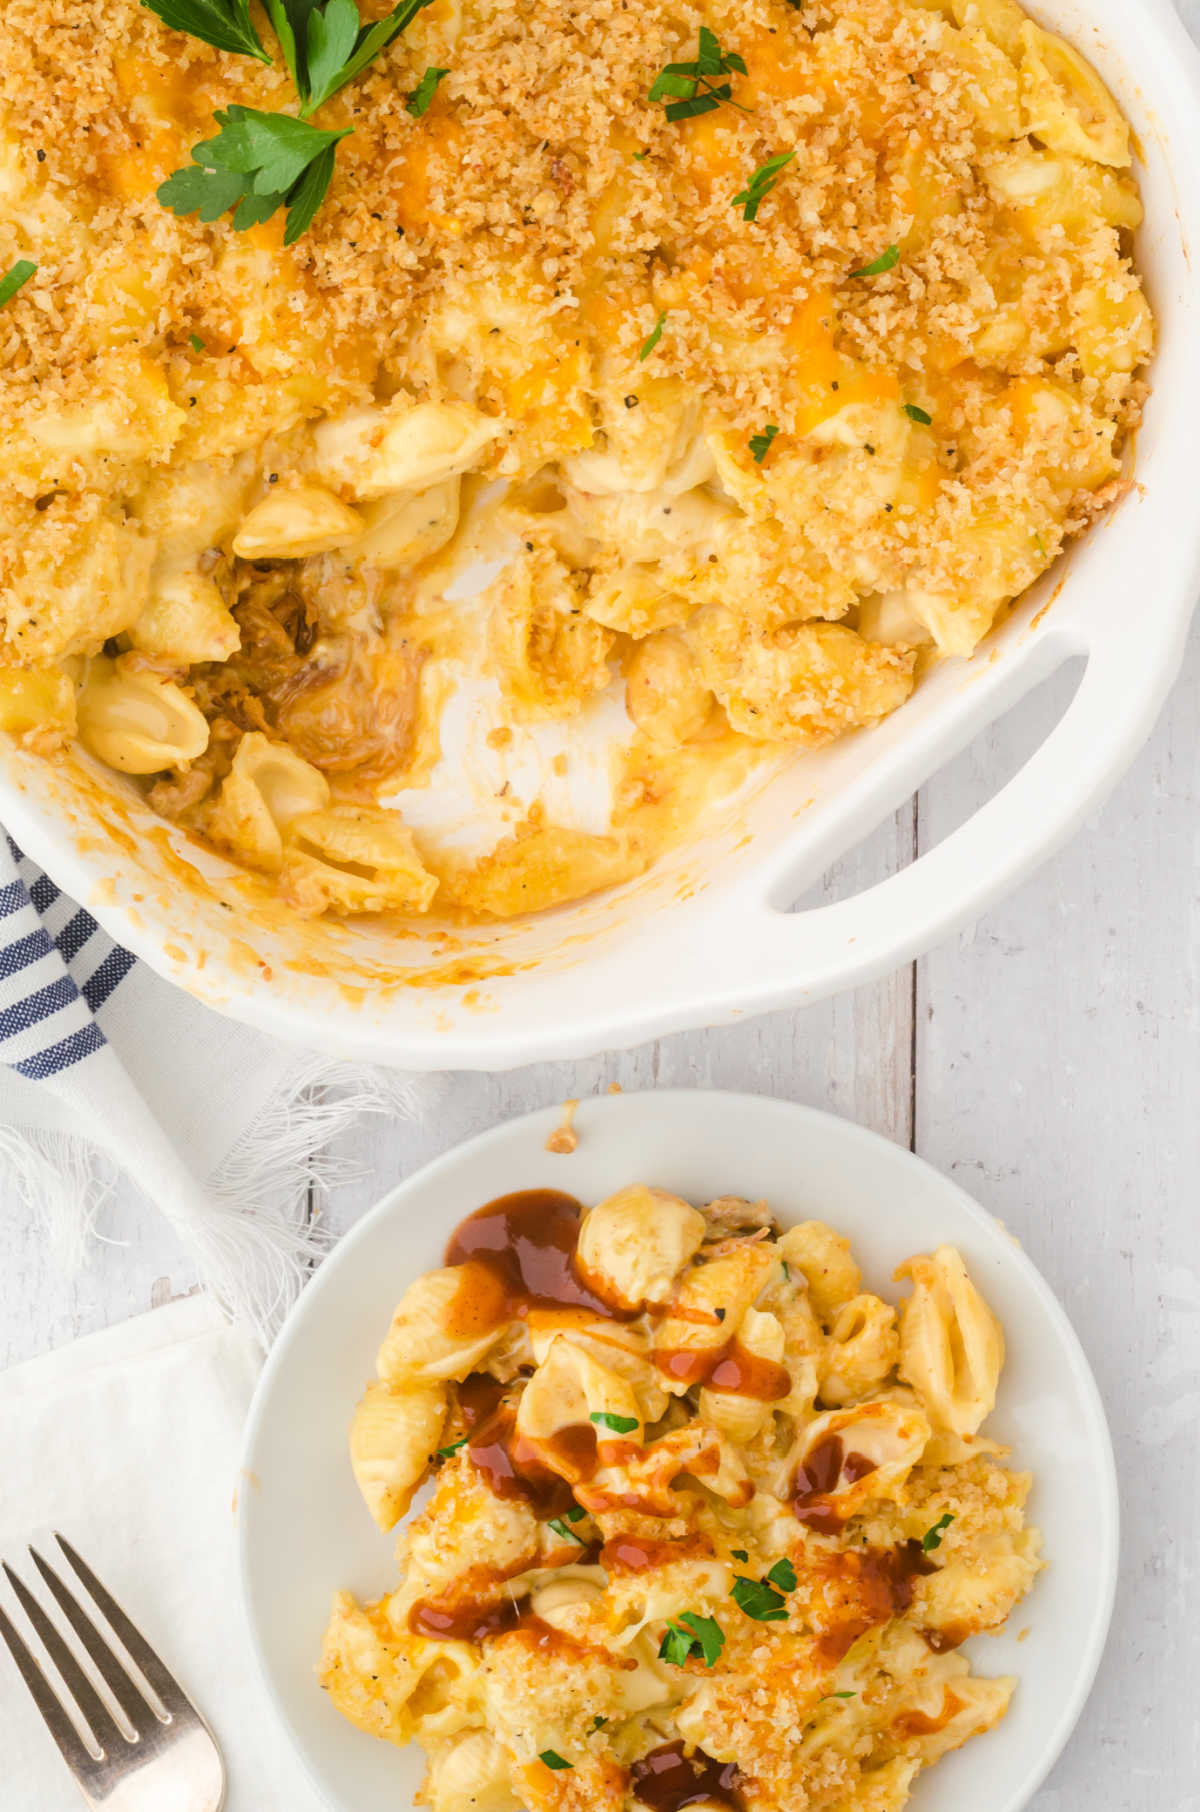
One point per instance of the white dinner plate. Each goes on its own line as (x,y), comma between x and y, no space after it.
(304,1530)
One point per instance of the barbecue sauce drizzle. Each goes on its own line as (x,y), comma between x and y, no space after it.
(668,1779)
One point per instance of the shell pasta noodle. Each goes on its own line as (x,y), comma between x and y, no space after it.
(708,374)
(709,1521)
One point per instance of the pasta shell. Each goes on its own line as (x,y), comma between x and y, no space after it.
(393,1438)
(951,1345)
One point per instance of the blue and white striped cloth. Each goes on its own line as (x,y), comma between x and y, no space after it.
(57,969)
(105,1067)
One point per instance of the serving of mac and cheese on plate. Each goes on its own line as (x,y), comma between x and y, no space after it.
(709,1521)
(392,415)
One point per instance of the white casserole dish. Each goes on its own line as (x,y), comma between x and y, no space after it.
(707,935)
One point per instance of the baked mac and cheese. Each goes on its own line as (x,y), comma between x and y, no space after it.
(710,1522)
(762,352)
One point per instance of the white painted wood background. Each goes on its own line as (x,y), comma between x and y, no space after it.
(1050,1060)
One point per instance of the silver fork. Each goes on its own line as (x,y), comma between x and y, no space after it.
(158,1755)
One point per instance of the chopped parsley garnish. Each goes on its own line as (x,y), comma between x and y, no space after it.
(787,1275)
(618,1424)
(443,1453)
(225,24)
(598,1722)
(16,279)
(256,164)
(932,1538)
(751,198)
(195,342)
(576,1513)
(422,95)
(759,445)
(689,88)
(739,1553)
(691,1634)
(884,262)
(638,156)
(783,1575)
(553,1760)
(917,415)
(560,1528)
(839,1695)
(759,1600)
(648,345)
(1040,545)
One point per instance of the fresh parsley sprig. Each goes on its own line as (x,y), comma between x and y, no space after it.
(16,279)
(760,445)
(691,1634)
(261,162)
(689,88)
(325,43)
(751,198)
(916,414)
(225,24)
(256,164)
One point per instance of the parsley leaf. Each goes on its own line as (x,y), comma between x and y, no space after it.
(195,342)
(759,1600)
(256,164)
(783,1575)
(884,262)
(560,1528)
(16,279)
(648,345)
(932,1538)
(751,198)
(739,1553)
(618,1424)
(553,1760)
(598,1722)
(759,443)
(689,89)
(917,415)
(787,1275)
(225,24)
(331,40)
(325,43)
(443,1453)
(576,1513)
(691,1634)
(420,99)
(839,1695)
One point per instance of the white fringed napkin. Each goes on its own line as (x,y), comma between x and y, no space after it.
(105,1067)
(128,1443)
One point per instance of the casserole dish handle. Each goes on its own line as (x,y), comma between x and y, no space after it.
(825,948)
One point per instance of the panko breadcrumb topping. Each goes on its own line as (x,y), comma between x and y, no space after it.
(763,468)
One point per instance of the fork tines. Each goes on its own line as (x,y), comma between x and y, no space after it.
(142,1714)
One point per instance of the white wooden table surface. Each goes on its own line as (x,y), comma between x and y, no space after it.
(1050,1060)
